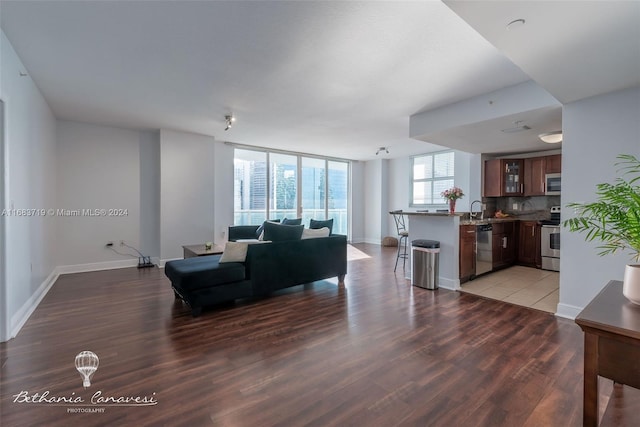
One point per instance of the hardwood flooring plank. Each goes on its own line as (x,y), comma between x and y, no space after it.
(375,352)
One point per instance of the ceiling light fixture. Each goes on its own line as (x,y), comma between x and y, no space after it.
(381,149)
(551,137)
(229,121)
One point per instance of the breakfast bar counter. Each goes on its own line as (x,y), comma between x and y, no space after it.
(445,228)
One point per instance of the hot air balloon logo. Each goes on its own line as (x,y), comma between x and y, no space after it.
(87,363)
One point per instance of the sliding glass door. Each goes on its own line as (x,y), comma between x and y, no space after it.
(280,185)
(338,195)
(249,187)
(314,184)
(283,186)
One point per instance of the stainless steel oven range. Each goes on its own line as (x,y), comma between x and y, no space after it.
(550,241)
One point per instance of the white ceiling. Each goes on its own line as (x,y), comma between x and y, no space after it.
(332,78)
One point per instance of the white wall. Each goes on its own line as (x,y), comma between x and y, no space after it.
(376,200)
(150,194)
(357,202)
(595,130)
(186,191)
(223,195)
(30,170)
(98,168)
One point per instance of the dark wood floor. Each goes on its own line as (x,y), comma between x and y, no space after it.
(376,352)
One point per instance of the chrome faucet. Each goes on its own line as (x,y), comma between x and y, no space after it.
(473,214)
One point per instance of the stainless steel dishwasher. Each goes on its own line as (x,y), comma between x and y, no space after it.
(484,248)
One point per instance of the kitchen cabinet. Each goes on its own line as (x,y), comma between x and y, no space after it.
(529,244)
(503,244)
(503,177)
(534,172)
(467,252)
(553,164)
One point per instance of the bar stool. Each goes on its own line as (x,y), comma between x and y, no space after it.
(403,236)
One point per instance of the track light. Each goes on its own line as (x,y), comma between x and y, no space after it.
(381,149)
(229,121)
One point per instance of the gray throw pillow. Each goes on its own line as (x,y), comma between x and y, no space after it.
(296,221)
(280,232)
(321,224)
(261,228)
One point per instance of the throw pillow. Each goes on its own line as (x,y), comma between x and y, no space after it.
(234,252)
(237,251)
(280,233)
(310,233)
(261,228)
(296,221)
(320,224)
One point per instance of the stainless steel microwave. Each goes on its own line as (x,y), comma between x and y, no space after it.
(552,184)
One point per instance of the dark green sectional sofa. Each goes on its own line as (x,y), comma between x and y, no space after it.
(268,267)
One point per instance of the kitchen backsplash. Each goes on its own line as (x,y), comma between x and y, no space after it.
(535,207)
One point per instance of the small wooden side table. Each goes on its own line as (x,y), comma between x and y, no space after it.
(191,251)
(611,326)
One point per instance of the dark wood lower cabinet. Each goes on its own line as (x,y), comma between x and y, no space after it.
(529,244)
(467,252)
(504,244)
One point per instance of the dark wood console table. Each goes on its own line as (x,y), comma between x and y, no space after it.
(199,250)
(611,326)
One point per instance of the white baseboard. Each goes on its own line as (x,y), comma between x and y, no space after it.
(21,316)
(568,311)
(372,241)
(450,284)
(162,262)
(96,266)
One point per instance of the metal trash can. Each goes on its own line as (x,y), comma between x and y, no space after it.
(425,257)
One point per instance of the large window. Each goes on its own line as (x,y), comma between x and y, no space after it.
(431,174)
(277,185)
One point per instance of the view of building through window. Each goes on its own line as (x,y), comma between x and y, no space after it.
(297,186)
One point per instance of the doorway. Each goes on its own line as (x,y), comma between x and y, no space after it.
(4,321)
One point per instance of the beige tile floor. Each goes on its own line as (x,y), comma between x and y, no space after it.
(519,285)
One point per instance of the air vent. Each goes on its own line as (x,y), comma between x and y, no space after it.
(516,129)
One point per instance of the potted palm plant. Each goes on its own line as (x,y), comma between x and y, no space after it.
(614,220)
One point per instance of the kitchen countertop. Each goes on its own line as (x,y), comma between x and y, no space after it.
(470,221)
(489,221)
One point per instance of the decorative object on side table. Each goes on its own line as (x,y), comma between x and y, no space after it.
(452,194)
(615,220)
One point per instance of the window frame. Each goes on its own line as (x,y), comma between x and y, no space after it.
(413,181)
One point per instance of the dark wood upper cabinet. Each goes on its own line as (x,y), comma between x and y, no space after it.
(503,177)
(553,163)
(515,177)
(534,171)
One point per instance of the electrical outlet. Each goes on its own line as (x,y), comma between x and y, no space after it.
(515,206)
(109,244)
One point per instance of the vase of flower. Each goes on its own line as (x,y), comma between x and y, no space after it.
(452,194)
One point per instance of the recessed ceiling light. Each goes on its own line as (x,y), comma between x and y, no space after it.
(516,23)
